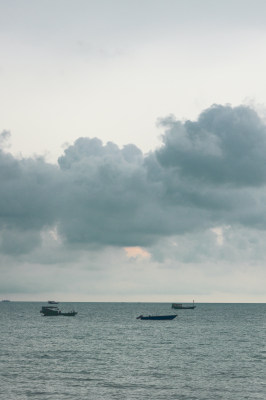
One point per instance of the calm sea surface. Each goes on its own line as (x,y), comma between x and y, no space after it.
(216,351)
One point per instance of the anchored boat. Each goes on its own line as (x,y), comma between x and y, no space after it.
(53,311)
(179,306)
(157,317)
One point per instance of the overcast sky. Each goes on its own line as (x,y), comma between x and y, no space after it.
(133,150)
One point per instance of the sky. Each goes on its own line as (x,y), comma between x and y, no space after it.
(133,150)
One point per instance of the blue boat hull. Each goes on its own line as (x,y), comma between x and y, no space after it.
(157,317)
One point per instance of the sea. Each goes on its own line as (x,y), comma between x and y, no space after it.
(216,351)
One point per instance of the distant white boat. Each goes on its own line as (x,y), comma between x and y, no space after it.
(179,306)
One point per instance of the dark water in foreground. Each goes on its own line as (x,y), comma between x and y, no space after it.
(216,351)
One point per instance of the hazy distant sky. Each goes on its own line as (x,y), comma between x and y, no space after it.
(133,150)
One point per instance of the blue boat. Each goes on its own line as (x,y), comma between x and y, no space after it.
(157,317)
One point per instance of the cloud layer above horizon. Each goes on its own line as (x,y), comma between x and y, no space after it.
(197,200)
(207,173)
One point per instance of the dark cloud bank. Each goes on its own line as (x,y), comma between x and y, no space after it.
(207,173)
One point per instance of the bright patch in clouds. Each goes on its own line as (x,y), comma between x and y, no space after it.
(135,252)
(218,231)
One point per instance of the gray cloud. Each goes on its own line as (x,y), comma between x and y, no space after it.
(225,146)
(27,188)
(109,197)
(207,173)
(4,136)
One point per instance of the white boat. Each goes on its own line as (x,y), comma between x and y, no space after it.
(179,306)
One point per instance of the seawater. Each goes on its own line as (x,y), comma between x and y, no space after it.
(216,351)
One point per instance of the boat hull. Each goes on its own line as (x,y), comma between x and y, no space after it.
(68,314)
(58,314)
(179,306)
(52,311)
(184,307)
(157,317)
